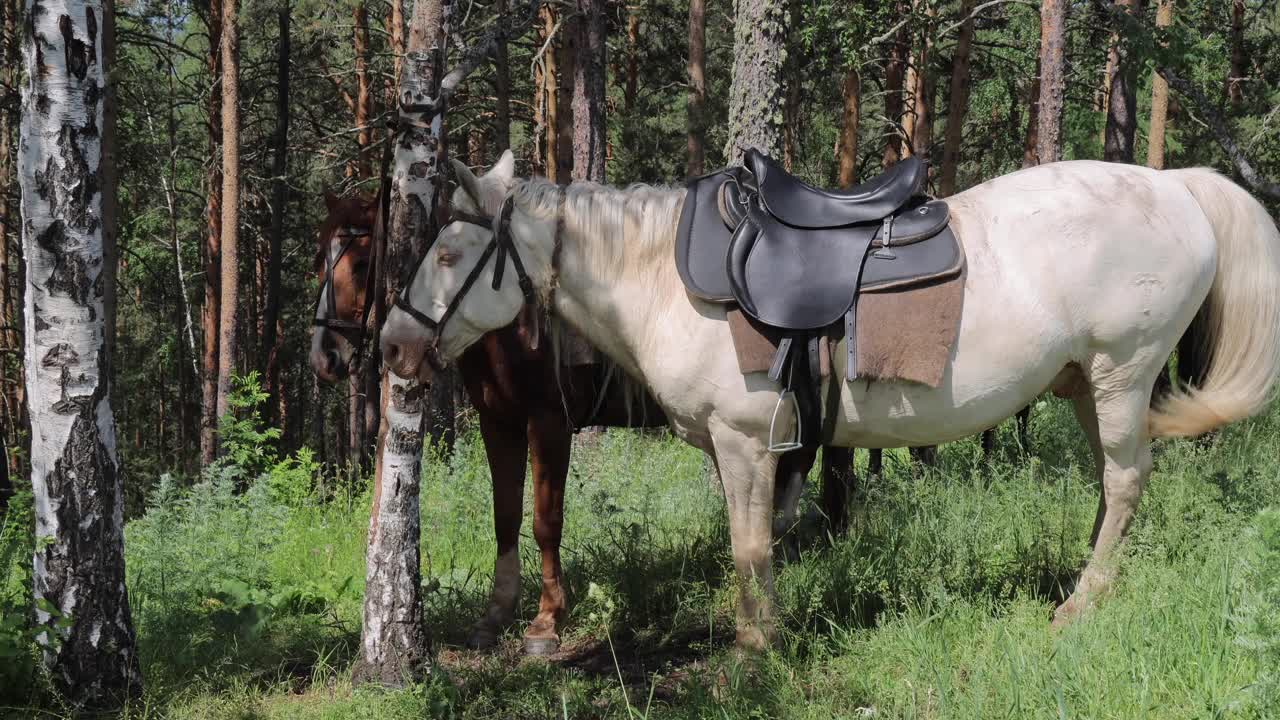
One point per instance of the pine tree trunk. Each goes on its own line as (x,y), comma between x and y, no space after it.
(212,245)
(958,105)
(894,78)
(1031,141)
(1053,44)
(697,87)
(568,65)
(1239,62)
(229,298)
(502,91)
(392,645)
(633,57)
(847,146)
(550,96)
(589,93)
(269,363)
(396,41)
(1122,104)
(755,93)
(364,98)
(924,92)
(79,563)
(1159,99)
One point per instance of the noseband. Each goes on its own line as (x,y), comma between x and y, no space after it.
(500,244)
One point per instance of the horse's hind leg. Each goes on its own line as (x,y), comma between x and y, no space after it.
(788,486)
(1119,432)
(550,439)
(507,447)
(837,485)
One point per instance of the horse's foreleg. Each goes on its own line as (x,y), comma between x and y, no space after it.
(549,440)
(747,471)
(1119,430)
(507,446)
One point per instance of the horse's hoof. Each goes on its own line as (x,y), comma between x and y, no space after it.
(1067,613)
(541,646)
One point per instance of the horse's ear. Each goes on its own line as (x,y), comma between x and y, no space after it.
(504,169)
(528,327)
(468,181)
(330,200)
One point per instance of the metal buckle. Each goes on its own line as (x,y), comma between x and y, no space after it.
(886,234)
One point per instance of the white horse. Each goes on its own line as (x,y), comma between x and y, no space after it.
(1081,278)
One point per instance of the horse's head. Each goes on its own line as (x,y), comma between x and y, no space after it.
(344,265)
(451,301)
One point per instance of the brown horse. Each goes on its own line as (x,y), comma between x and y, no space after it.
(522,414)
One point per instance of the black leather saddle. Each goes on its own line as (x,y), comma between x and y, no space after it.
(795,257)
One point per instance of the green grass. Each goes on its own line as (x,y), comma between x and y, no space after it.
(936,604)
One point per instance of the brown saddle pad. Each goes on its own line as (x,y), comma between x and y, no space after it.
(903,336)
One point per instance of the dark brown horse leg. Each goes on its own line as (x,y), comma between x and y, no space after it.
(788,485)
(875,463)
(549,440)
(506,445)
(1024,428)
(837,485)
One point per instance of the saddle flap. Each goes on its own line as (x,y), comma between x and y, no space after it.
(794,279)
(918,221)
(801,205)
(937,258)
(702,240)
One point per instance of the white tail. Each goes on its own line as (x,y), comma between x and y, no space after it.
(1240,319)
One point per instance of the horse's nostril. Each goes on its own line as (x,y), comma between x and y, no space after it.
(391,353)
(333,358)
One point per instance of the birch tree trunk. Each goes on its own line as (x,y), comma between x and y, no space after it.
(1159,99)
(1053,45)
(589,93)
(697,87)
(230,261)
(755,94)
(88,646)
(958,105)
(393,645)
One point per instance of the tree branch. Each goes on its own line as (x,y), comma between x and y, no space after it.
(1218,126)
(513,25)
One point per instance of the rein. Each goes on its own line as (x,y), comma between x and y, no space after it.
(501,245)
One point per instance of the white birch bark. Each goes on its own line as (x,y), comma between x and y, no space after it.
(79,559)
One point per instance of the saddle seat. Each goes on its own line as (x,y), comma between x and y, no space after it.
(799,204)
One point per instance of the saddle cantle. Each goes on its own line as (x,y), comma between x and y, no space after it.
(795,257)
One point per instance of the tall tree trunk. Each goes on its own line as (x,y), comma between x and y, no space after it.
(392,645)
(9,339)
(364,98)
(568,64)
(1239,62)
(697,87)
(1053,45)
(75,475)
(1031,141)
(791,87)
(924,91)
(550,96)
(958,105)
(589,93)
(894,78)
(755,93)
(502,91)
(847,146)
(212,246)
(1159,98)
(230,271)
(633,56)
(396,41)
(269,363)
(1122,104)
(110,179)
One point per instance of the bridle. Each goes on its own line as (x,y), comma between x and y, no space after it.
(357,332)
(500,245)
